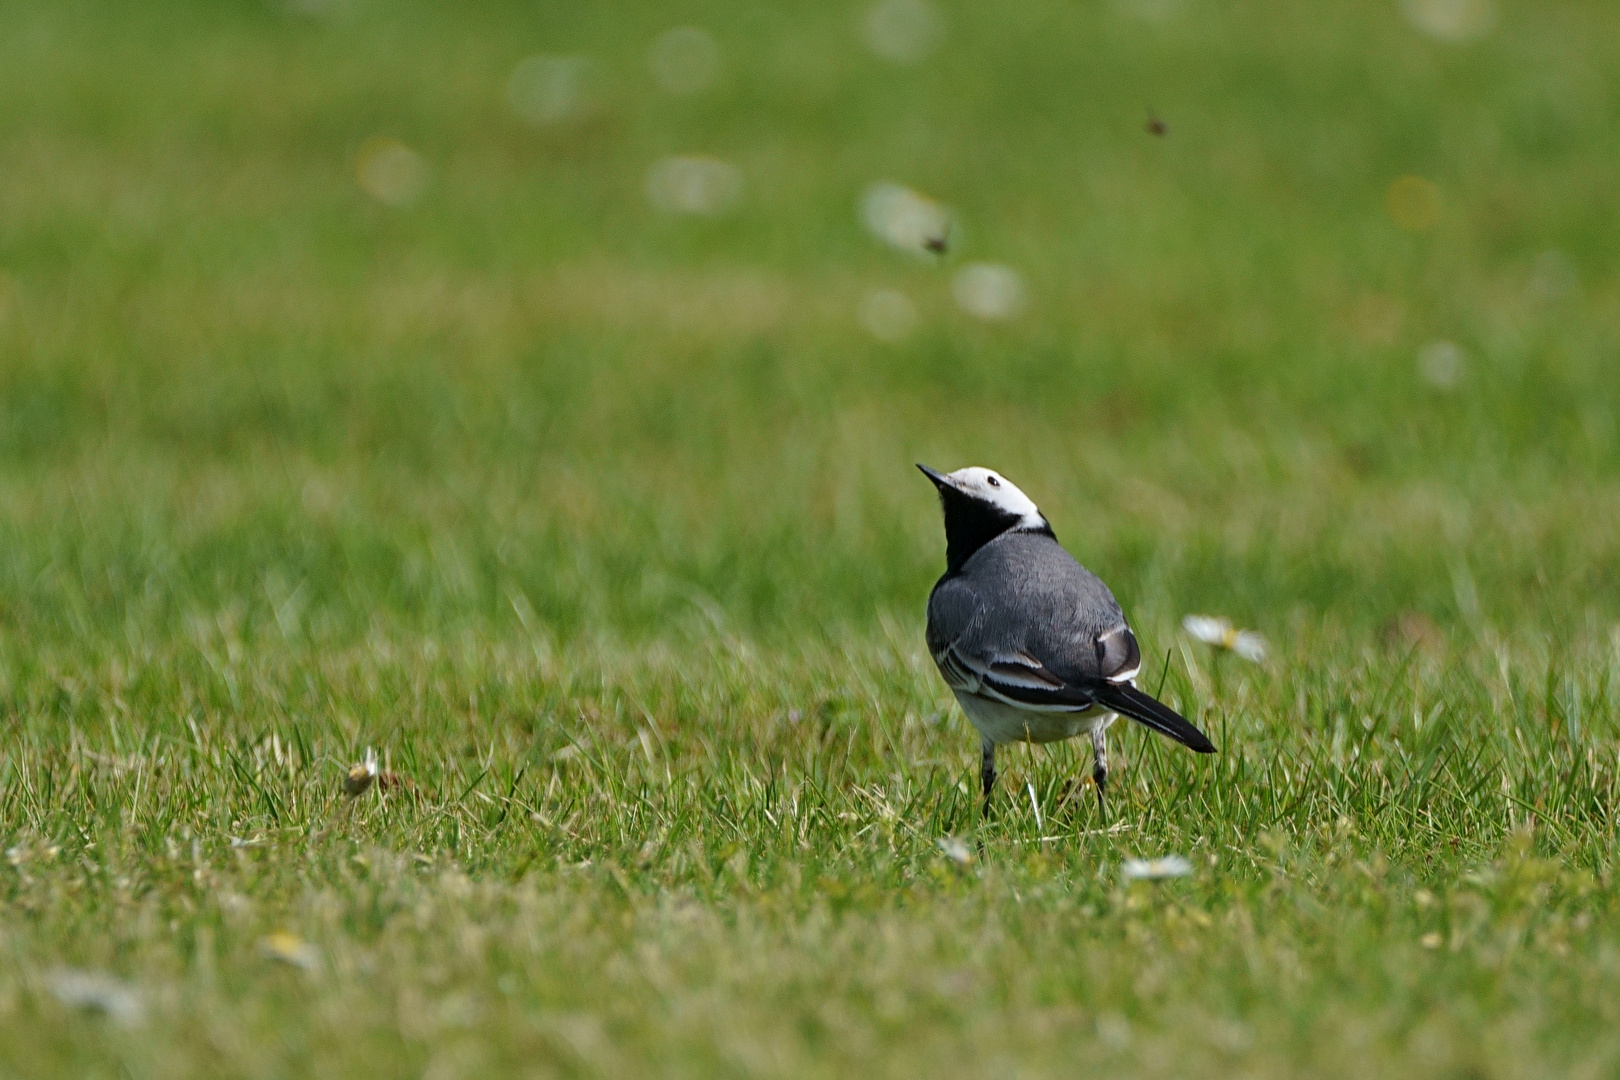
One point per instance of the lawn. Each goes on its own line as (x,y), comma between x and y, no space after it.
(530,396)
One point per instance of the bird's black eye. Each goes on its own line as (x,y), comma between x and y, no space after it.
(993,481)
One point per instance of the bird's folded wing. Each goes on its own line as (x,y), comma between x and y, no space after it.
(1024,682)
(1016,679)
(1068,679)
(1118,656)
(1047,671)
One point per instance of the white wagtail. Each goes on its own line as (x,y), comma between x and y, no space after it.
(1033,645)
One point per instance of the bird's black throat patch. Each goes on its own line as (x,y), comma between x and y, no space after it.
(971,523)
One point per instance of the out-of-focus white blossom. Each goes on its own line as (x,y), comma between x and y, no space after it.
(1168,866)
(1217,630)
(360,777)
(685,60)
(704,186)
(906,220)
(903,31)
(989,291)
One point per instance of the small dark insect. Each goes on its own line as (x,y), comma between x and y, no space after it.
(1158,127)
(936,244)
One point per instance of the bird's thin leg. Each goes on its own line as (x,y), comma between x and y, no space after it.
(987,773)
(1099,764)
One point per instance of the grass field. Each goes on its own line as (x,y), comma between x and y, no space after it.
(355,393)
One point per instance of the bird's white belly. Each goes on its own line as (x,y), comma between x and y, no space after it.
(1002,723)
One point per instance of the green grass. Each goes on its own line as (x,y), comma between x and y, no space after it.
(601,526)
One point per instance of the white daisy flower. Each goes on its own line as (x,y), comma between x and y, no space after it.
(1218,631)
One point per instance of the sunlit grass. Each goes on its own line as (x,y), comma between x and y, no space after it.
(596,521)
(660,858)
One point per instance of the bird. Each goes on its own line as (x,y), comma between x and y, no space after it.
(1033,645)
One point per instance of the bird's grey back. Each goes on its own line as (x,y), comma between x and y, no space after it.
(1023,591)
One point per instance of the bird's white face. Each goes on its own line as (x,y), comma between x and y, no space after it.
(995,489)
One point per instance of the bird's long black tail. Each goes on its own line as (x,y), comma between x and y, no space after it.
(1127,700)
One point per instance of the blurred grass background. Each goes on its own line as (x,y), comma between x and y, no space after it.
(353,390)
(233,375)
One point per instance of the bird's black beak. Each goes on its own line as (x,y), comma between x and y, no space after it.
(940,480)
